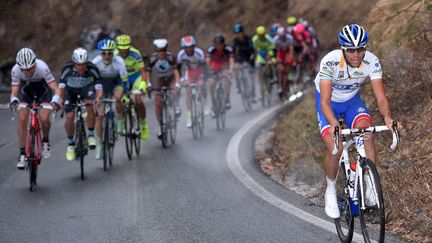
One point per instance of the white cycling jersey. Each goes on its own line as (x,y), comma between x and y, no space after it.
(116,69)
(42,73)
(283,44)
(346,80)
(192,62)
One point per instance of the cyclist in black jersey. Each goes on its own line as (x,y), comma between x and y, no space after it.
(244,52)
(80,77)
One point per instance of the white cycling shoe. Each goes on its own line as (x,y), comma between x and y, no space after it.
(46,150)
(331,205)
(189,123)
(21,164)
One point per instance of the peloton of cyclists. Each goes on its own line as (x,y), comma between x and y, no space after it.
(192,59)
(80,77)
(32,77)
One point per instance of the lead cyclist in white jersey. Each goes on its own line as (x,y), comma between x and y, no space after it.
(341,74)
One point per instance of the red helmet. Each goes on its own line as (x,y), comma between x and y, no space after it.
(299,28)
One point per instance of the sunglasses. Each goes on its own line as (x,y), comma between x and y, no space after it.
(161,50)
(104,53)
(352,50)
(27,70)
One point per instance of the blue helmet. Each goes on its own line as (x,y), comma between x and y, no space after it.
(237,28)
(106,45)
(353,36)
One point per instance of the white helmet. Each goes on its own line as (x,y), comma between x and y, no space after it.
(79,55)
(160,43)
(280,31)
(26,58)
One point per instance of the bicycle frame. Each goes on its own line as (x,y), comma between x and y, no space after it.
(34,124)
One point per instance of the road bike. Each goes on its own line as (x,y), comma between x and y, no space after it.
(132,125)
(197,111)
(80,137)
(109,135)
(244,87)
(219,105)
(267,84)
(359,192)
(168,120)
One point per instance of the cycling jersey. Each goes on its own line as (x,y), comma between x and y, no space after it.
(70,78)
(243,49)
(193,64)
(134,63)
(346,80)
(282,47)
(164,67)
(34,85)
(219,60)
(263,48)
(113,75)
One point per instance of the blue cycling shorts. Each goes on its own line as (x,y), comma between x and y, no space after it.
(353,111)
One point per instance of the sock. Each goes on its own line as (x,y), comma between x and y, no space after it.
(189,114)
(45,140)
(91,132)
(70,141)
(22,151)
(331,185)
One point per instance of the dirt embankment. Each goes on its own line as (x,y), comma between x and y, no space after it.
(401,36)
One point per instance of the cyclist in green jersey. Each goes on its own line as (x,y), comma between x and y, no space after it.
(137,76)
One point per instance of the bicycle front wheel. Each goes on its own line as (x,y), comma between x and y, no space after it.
(129,132)
(372,218)
(164,121)
(245,93)
(137,132)
(345,223)
(194,117)
(32,167)
(172,123)
(106,142)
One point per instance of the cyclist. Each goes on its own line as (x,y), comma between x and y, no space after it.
(264,46)
(291,21)
(137,76)
(80,77)
(284,54)
(220,59)
(341,74)
(114,80)
(193,60)
(244,52)
(167,74)
(273,29)
(32,77)
(301,40)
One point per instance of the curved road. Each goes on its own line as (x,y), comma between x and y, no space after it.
(185,193)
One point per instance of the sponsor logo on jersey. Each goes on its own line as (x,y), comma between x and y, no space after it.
(366,62)
(346,87)
(332,63)
(377,70)
(377,65)
(357,73)
(361,110)
(341,74)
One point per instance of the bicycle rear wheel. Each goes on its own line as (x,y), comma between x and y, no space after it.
(245,93)
(164,121)
(345,223)
(129,132)
(220,108)
(112,136)
(200,119)
(372,219)
(81,146)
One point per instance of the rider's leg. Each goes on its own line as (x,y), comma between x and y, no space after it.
(23,119)
(45,121)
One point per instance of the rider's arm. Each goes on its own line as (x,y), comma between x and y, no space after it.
(325,99)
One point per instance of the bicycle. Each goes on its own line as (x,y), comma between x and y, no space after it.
(132,125)
(33,146)
(351,187)
(168,120)
(109,133)
(267,84)
(219,102)
(197,110)
(283,86)
(244,87)
(80,138)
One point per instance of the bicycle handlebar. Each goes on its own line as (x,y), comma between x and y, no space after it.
(362,131)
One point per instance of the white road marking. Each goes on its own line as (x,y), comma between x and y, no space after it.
(234,164)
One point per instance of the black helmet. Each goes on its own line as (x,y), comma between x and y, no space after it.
(218,38)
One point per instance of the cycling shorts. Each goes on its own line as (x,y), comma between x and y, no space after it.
(167,81)
(353,111)
(39,89)
(136,82)
(110,85)
(71,96)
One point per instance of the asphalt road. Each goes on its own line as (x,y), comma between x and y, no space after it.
(185,193)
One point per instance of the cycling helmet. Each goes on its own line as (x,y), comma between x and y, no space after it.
(299,28)
(26,58)
(292,20)
(106,45)
(79,55)
(160,43)
(353,36)
(237,28)
(281,31)
(188,41)
(123,42)
(275,27)
(218,38)
(261,30)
